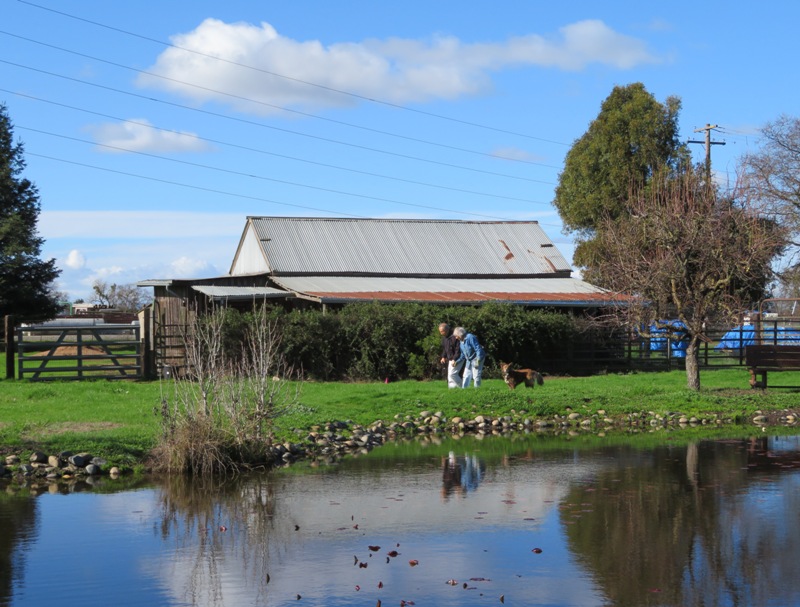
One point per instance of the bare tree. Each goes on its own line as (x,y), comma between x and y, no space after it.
(770,178)
(126,298)
(219,411)
(687,253)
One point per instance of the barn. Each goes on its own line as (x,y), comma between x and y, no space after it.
(330,262)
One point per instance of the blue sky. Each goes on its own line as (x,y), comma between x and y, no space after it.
(152,130)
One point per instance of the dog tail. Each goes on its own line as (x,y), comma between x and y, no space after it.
(539,378)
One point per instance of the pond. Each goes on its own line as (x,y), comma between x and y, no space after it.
(528,521)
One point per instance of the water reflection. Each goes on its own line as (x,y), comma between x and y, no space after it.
(471,523)
(461,474)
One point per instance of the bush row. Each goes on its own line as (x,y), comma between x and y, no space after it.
(375,341)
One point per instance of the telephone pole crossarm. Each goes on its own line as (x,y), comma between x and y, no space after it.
(708,143)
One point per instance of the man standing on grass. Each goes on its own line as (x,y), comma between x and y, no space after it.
(451,352)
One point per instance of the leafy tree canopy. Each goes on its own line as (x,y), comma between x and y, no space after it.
(25,280)
(633,137)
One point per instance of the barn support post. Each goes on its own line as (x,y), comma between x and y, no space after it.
(9,336)
(148,360)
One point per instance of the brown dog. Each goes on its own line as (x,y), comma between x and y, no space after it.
(514,377)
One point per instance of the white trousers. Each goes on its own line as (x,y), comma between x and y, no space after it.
(453,374)
(474,369)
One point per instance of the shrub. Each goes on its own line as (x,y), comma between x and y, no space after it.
(375,341)
(220,413)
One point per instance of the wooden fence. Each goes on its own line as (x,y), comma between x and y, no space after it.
(116,351)
(103,351)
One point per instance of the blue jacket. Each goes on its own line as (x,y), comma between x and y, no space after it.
(471,349)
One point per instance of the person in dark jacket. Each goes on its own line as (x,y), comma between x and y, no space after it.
(451,352)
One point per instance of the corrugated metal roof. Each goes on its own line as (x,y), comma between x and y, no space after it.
(233,293)
(407,247)
(532,291)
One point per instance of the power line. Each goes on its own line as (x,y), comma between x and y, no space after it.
(298,80)
(266,152)
(273,106)
(267,126)
(245,196)
(232,172)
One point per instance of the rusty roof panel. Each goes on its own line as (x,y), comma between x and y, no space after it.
(407,247)
(531,291)
(541,299)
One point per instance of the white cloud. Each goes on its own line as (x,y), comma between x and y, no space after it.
(396,70)
(75,260)
(106,273)
(188,267)
(138,135)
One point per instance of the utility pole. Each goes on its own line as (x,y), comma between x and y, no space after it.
(708,143)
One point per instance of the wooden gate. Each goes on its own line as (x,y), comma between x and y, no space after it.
(103,351)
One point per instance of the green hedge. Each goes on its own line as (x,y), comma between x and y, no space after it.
(377,341)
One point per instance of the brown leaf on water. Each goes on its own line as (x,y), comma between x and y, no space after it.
(537,550)
(374,548)
(413,562)
(393,553)
(502,598)
(380,584)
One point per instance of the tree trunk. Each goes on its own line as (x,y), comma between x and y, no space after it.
(692,366)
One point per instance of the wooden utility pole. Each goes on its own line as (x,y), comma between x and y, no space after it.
(708,143)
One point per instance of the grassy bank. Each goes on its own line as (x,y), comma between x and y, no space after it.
(118,419)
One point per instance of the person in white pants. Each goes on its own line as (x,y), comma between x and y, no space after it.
(450,352)
(473,355)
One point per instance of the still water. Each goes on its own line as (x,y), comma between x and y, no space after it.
(491,522)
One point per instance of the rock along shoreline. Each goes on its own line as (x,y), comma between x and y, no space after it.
(329,442)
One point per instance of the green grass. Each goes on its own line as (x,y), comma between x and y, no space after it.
(116,419)
(723,391)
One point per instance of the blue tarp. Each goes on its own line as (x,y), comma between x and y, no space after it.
(744,335)
(677,345)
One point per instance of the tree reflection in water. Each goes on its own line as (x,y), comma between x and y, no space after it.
(538,520)
(714,524)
